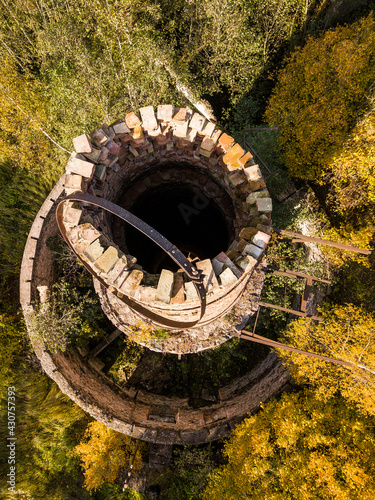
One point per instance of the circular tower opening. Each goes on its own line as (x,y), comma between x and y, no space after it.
(184,205)
(186,217)
(196,191)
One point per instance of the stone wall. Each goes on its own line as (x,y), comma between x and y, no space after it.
(141,414)
(165,147)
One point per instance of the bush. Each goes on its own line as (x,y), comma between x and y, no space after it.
(188,474)
(68,316)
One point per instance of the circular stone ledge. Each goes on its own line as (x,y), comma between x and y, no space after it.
(138,414)
(161,149)
(196,339)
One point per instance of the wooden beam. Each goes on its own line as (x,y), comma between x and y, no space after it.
(295,274)
(256,320)
(278,345)
(306,293)
(291,311)
(302,237)
(94,352)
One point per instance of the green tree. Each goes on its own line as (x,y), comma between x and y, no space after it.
(90,56)
(319,95)
(222,47)
(13,349)
(188,474)
(346,333)
(299,447)
(21,195)
(22,118)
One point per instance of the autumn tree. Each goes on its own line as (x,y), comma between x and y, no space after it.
(346,333)
(322,90)
(353,169)
(104,452)
(299,447)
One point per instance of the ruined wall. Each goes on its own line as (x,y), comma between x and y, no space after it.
(141,414)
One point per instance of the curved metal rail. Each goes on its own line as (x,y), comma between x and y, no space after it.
(175,254)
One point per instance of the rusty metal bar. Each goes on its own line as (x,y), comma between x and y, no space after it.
(176,255)
(256,320)
(302,238)
(278,345)
(290,311)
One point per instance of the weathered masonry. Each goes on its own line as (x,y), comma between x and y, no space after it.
(192,183)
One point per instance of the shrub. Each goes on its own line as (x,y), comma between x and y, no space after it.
(68,316)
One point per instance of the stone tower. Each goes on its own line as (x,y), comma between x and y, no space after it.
(171,217)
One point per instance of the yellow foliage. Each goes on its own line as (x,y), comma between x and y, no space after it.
(318,96)
(353,170)
(104,453)
(359,238)
(347,333)
(144,332)
(328,457)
